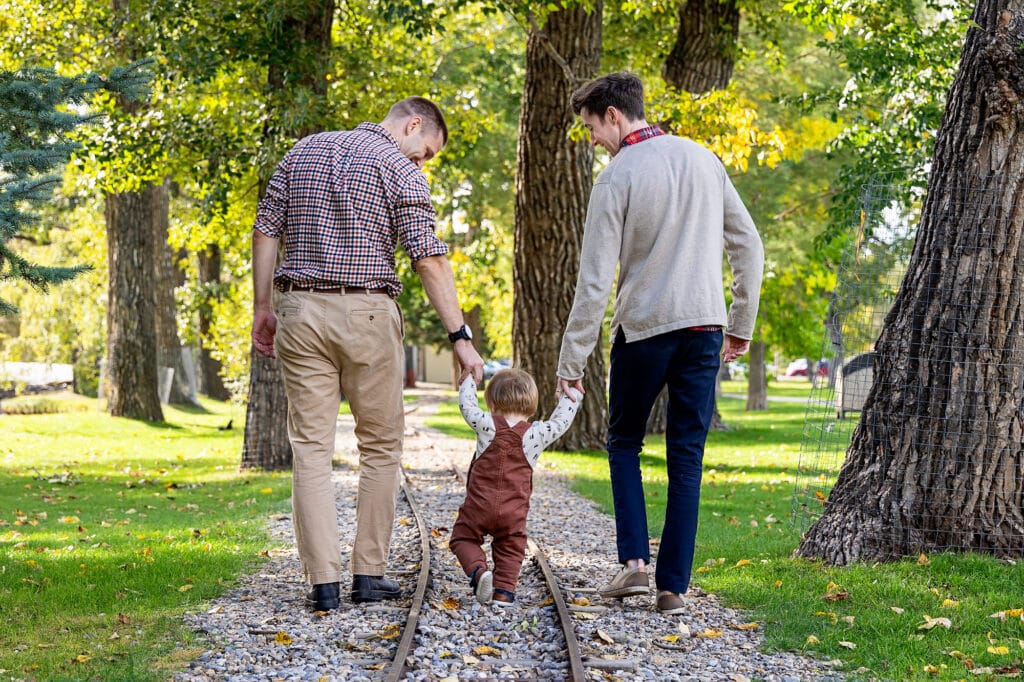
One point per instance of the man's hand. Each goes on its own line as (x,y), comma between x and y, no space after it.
(565,384)
(469,360)
(264,327)
(734,348)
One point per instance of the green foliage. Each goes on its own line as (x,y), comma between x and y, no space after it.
(38,110)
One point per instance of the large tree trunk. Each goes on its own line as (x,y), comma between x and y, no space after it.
(757,379)
(702,57)
(936,460)
(210,381)
(166,309)
(131,328)
(553,181)
(301,62)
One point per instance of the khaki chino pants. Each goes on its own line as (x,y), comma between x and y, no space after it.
(329,343)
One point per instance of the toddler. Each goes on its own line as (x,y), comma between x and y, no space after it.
(500,478)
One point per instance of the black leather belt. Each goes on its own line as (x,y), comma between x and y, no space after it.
(292,286)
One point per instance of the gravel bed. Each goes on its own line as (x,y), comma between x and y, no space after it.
(262,630)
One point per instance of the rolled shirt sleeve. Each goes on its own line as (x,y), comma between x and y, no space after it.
(414,219)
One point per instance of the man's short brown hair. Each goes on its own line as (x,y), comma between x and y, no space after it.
(622,90)
(512,391)
(433,119)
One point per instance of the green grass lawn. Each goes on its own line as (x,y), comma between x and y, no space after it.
(798,387)
(111,528)
(743,555)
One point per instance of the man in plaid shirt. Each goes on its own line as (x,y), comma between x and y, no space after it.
(342,201)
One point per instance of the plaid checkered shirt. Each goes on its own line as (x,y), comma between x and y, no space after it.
(342,201)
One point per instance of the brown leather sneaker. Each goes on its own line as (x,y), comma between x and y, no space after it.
(670,604)
(628,582)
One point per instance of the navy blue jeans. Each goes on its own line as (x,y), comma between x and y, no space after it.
(687,362)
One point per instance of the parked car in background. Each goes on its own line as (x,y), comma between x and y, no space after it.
(492,367)
(797,368)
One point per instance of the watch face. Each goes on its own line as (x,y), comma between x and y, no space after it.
(467,331)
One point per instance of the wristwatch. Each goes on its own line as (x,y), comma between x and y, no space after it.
(462,332)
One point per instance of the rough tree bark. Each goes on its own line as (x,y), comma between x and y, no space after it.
(304,43)
(131,328)
(757,379)
(165,307)
(702,57)
(936,459)
(210,381)
(553,182)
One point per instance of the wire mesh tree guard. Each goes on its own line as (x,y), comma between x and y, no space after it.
(960,461)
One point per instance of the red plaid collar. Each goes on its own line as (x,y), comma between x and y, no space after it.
(641,135)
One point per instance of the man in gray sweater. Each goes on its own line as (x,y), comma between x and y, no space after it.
(662,211)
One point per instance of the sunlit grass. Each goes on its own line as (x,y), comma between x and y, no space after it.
(744,548)
(112,528)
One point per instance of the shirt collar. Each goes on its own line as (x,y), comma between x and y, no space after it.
(379,130)
(640,135)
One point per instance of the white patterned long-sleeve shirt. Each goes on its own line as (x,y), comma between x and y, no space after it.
(540,434)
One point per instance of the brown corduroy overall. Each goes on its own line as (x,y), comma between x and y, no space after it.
(498,489)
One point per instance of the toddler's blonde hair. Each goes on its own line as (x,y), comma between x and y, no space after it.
(512,391)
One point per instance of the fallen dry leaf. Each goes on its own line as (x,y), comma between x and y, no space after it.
(376,666)
(743,562)
(998,650)
(404,522)
(390,632)
(930,623)
(684,629)
(895,609)
(604,637)
(923,560)
(811,639)
(451,603)
(282,638)
(710,633)
(581,601)
(670,638)
(471,660)
(931,670)
(547,602)
(747,626)
(485,650)
(847,645)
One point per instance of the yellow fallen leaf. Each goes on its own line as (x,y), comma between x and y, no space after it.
(832,617)
(747,626)
(930,623)
(958,655)
(950,603)
(376,666)
(547,602)
(485,650)
(282,638)
(604,637)
(743,562)
(670,638)
(923,560)
(267,491)
(451,603)
(847,645)
(185,588)
(931,670)
(703,569)
(710,633)
(581,601)
(998,650)
(777,583)
(390,632)
(69,519)
(811,639)
(404,522)
(820,495)
(82,658)
(583,615)
(1008,613)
